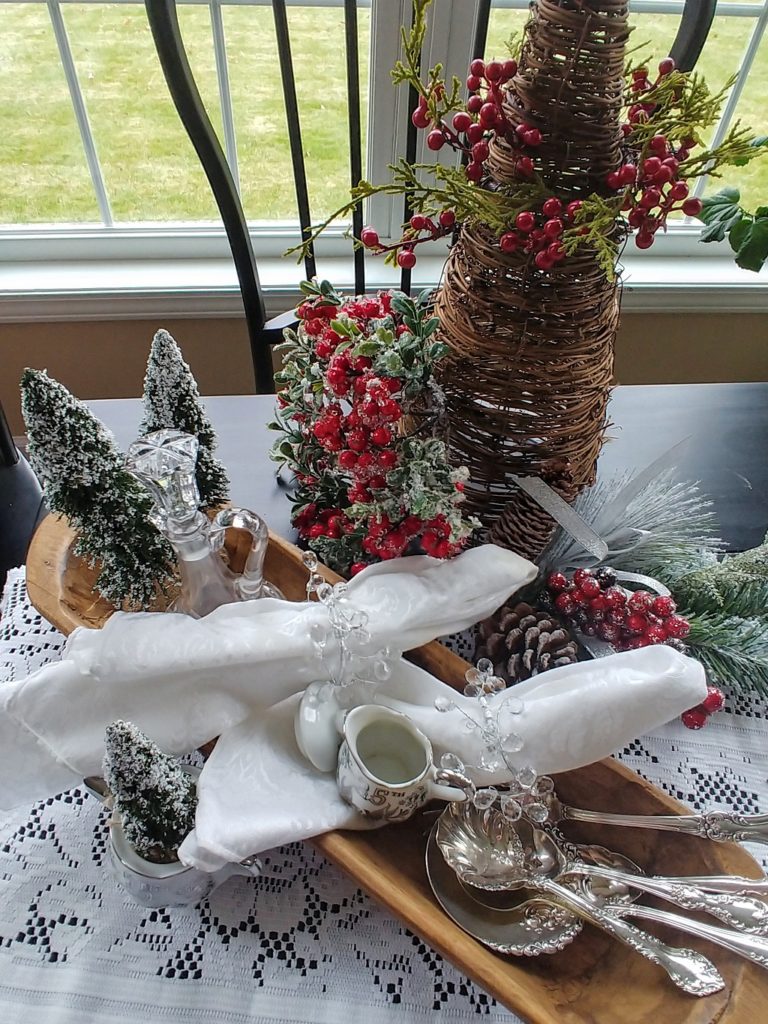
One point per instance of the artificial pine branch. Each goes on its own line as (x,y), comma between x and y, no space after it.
(733,650)
(84,479)
(738,585)
(172,400)
(665,531)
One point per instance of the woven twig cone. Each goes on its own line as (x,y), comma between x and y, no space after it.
(529,374)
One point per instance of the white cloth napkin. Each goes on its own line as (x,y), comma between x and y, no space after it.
(257,791)
(184,681)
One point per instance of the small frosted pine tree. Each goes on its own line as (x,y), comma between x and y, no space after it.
(172,400)
(82,472)
(154,796)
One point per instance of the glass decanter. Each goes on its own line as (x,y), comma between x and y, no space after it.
(165,463)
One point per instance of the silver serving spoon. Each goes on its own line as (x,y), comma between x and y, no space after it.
(719,826)
(688,969)
(741,912)
(602,857)
(543,851)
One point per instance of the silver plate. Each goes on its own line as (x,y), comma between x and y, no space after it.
(530,929)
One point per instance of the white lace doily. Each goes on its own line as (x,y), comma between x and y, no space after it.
(300,944)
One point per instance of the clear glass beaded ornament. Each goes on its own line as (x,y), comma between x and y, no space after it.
(500,745)
(342,642)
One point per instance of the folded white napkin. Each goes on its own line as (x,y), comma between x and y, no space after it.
(184,681)
(257,791)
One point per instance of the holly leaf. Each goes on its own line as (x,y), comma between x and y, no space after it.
(366,348)
(430,327)
(346,329)
(438,351)
(739,232)
(720,213)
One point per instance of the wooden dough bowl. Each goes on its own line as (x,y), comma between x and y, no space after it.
(595,980)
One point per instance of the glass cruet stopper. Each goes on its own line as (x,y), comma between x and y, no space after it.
(165,462)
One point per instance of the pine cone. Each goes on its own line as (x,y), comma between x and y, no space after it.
(522,642)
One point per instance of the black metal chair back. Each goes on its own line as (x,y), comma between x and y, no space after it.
(21,502)
(694,28)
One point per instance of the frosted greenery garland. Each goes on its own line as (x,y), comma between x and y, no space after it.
(154,796)
(172,400)
(667,532)
(82,473)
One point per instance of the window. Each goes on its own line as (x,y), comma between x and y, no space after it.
(96,163)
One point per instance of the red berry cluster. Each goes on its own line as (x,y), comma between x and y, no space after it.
(696,718)
(472,128)
(655,188)
(420,229)
(388,540)
(540,232)
(598,607)
(354,424)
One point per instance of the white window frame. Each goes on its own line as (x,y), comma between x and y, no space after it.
(449,40)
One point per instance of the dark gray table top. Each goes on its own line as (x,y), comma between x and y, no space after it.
(727,451)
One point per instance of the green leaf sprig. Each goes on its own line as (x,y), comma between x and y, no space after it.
(747,233)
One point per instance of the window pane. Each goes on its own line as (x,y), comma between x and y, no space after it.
(150,168)
(502,24)
(317,46)
(44,173)
(752,180)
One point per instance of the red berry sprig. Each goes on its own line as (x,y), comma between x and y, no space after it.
(598,607)
(419,229)
(539,231)
(656,186)
(696,718)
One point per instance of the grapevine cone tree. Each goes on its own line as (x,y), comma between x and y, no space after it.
(84,479)
(172,400)
(538,338)
(154,796)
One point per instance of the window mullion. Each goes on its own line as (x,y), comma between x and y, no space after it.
(81,114)
(738,87)
(225,95)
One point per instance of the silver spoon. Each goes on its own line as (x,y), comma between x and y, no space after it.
(719,826)
(542,850)
(688,969)
(741,912)
(602,857)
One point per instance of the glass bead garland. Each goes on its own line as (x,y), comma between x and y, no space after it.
(526,793)
(347,627)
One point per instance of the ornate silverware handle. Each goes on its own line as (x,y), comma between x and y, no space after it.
(716,825)
(740,912)
(688,969)
(725,883)
(753,947)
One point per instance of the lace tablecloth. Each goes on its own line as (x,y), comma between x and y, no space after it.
(300,944)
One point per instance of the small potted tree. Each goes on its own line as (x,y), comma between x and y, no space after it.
(154,802)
